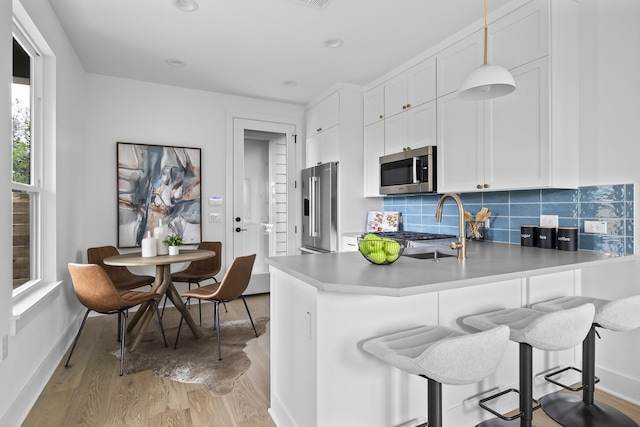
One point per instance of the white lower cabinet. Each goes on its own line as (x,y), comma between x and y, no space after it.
(317,361)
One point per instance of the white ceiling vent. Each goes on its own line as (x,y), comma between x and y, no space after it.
(319,4)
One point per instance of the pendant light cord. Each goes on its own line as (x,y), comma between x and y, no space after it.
(486,32)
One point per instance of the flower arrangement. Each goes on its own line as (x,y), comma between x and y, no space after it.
(173,240)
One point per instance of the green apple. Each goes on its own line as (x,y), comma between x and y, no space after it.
(392,247)
(376,245)
(364,247)
(377,257)
(392,257)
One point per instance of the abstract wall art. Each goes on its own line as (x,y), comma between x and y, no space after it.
(156,183)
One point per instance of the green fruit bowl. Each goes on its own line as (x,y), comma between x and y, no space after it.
(380,251)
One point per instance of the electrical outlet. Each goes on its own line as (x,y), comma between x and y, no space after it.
(486,223)
(549,220)
(597,227)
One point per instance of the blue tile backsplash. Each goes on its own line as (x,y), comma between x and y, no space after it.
(511,209)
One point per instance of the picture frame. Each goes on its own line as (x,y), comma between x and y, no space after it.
(158,183)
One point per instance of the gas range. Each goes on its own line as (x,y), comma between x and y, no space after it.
(413,236)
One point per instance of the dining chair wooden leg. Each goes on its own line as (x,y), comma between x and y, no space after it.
(75,341)
(247,307)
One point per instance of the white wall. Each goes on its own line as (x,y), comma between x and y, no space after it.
(610,154)
(43,337)
(147,113)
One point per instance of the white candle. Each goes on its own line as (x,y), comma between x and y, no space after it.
(149,246)
(160,233)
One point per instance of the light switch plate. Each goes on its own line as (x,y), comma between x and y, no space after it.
(549,220)
(215,217)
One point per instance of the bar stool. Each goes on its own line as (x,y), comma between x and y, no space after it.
(568,409)
(443,356)
(531,328)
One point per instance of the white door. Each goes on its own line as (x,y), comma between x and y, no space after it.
(260,222)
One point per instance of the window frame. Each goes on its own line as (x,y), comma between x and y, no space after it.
(35,188)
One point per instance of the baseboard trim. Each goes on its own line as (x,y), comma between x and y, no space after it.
(26,398)
(619,385)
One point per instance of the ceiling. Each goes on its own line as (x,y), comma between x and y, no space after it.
(250,47)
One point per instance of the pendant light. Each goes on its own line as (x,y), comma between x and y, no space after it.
(487,81)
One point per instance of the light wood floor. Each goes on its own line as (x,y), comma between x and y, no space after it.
(91,393)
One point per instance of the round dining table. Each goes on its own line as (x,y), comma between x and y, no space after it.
(162,284)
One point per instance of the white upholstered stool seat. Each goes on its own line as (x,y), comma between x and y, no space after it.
(531,328)
(443,356)
(570,409)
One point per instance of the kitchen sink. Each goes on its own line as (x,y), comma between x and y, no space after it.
(430,251)
(429,255)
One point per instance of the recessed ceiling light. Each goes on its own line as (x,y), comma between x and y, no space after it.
(289,83)
(175,63)
(186,5)
(333,43)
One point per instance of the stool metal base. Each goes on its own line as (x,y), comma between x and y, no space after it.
(498,422)
(570,411)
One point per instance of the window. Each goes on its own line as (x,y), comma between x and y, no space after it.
(26,181)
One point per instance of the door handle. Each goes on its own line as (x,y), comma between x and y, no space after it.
(238,229)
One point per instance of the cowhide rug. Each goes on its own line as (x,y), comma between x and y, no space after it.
(195,360)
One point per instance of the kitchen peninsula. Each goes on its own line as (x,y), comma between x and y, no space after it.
(324,306)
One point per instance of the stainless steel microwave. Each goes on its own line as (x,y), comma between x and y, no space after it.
(411,171)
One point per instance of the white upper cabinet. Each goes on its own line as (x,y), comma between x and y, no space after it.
(323,147)
(323,115)
(529,138)
(411,88)
(458,60)
(520,37)
(414,128)
(460,157)
(373,149)
(517,143)
(374,105)
(500,144)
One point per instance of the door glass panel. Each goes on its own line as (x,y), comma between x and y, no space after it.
(257,210)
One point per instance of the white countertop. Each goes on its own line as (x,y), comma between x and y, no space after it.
(487,262)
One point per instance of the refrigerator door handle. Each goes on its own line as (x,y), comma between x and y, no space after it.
(313,219)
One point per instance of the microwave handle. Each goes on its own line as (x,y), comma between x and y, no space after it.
(416,170)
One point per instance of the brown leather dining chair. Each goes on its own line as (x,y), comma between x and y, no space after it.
(122,277)
(96,292)
(199,271)
(232,286)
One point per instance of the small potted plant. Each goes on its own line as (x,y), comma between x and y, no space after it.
(174,241)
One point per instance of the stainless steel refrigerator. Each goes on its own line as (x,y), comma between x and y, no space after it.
(320,208)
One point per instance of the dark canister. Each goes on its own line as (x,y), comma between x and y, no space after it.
(529,235)
(546,237)
(567,238)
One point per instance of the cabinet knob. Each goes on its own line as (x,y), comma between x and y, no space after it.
(381,116)
(479,187)
(486,186)
(404,107)
(404,148)
(408,105)
(318,130)
(408,148)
